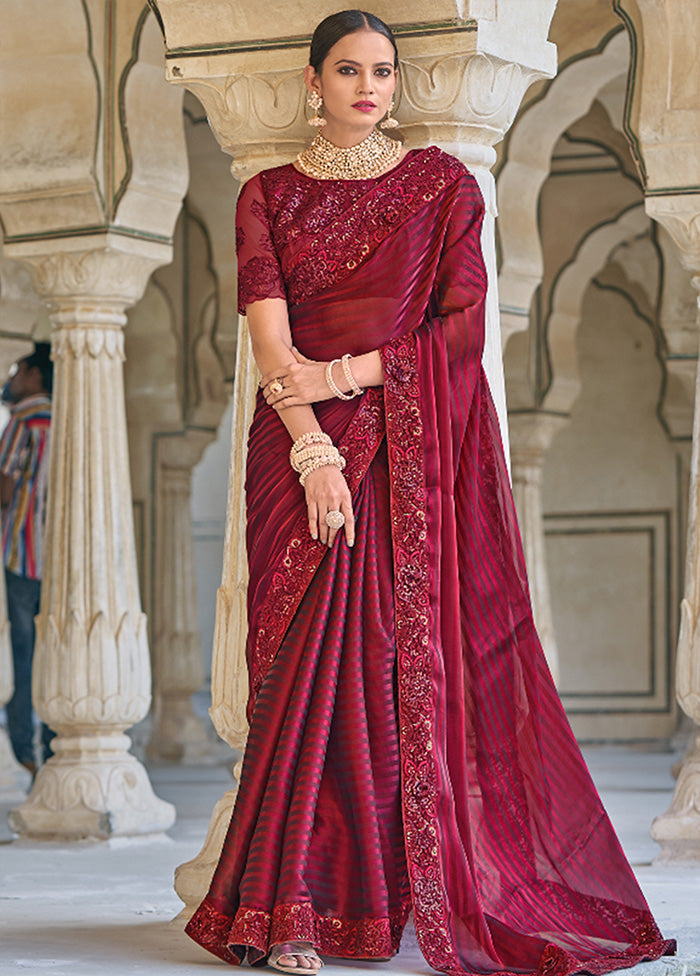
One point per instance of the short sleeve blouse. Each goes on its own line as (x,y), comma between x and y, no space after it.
(259,271)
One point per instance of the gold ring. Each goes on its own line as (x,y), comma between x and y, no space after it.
(276,387)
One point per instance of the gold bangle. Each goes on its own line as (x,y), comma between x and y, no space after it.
(311,437)
(331,455)
(322,462)
(299,458)
(332,386)
(348,374)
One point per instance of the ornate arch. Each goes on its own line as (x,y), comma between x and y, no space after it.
(567,297)
(567,98)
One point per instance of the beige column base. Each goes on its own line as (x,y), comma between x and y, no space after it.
(92,787)
(689,735)
(14,779)
(192,879)
(678,830)
(178,733)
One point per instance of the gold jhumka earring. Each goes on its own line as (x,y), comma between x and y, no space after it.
(389,122)
(314,101)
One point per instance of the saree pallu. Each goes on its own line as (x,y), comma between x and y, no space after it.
(407,747)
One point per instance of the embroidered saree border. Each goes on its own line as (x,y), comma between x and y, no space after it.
(303,556)
(404,428)
(420,783)
(363,938)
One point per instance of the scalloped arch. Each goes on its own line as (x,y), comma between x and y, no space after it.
(568,97)
(567,298)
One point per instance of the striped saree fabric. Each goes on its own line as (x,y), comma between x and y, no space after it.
(408,751)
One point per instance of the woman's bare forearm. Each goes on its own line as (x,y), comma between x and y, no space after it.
(366,370)
(272,352)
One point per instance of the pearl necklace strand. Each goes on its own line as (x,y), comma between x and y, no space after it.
(369,158)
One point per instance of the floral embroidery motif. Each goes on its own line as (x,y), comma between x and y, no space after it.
(412,612)
(303,556)
(259,278)
(343,222)
(557,962)
(210,929)
(257,931)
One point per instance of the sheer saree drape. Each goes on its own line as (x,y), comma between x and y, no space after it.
(407,747)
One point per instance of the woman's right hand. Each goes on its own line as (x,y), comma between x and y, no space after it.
(327,491)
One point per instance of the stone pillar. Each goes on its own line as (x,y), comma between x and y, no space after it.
(463,98)
(91,665)
(532,434)
(178,734)
(678,830)
(663,127)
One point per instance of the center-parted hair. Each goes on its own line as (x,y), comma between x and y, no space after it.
(335,27)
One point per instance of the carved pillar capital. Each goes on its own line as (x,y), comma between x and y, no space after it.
(532,433)
(257,116)
(465,101)
(92,279)
(680,215)
(460,87)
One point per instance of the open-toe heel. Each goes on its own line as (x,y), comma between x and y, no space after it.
(304,949)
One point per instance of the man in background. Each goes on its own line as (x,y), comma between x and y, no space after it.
(24,469)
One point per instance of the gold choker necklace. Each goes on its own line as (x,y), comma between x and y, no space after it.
(371,157)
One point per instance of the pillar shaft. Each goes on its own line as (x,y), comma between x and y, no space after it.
(91,677)
(532,433)
(678,830)
(178,733)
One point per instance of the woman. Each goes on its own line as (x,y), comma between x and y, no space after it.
(407,747)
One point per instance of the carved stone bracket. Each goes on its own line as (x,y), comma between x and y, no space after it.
(663,113)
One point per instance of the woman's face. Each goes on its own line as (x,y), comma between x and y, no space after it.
(357,81)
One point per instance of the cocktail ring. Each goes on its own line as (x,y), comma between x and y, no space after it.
(335,520)
(276,387)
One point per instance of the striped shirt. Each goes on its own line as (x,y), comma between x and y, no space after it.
(24,457)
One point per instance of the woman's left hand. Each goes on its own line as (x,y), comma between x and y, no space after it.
(303,381)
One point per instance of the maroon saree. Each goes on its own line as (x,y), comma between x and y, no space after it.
(407,747)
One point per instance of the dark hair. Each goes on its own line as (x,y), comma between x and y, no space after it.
(41,359)
(335,27)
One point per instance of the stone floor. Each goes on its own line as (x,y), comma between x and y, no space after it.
(97,909)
